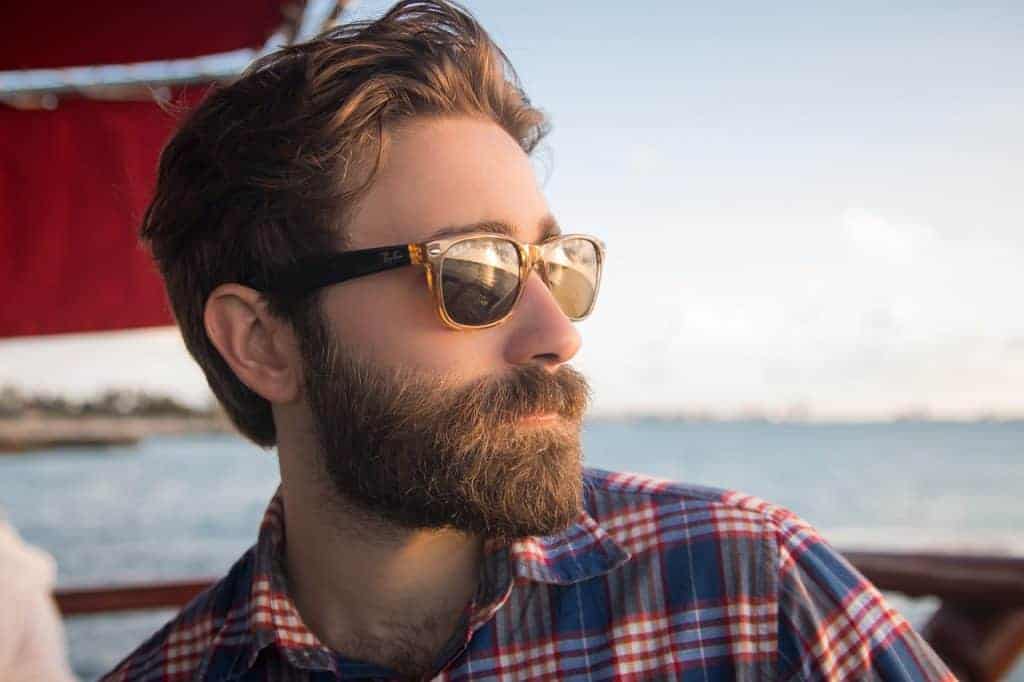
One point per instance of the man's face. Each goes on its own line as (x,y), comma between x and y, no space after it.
(424,425)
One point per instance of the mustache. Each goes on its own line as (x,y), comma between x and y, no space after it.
(406,395)
(529,390)
(483,417)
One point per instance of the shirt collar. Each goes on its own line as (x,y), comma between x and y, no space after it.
(584,550)
(273,617)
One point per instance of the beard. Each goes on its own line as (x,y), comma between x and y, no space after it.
(421,453)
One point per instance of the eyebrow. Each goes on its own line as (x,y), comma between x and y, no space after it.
(548,223)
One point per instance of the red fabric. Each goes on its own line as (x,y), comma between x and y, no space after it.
(41,35)
(74,182)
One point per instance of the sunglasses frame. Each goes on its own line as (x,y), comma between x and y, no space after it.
(323,270)
(432,254)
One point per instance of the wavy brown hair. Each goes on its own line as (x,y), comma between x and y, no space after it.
(267,170)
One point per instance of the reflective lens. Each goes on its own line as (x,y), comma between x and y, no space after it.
(480,280)
(572,273)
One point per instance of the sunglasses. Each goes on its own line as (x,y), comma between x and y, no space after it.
(476,279)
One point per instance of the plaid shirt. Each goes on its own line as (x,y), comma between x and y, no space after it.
(654,581)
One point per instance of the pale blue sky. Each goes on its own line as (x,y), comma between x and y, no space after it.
(806,207)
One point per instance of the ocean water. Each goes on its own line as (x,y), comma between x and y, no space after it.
(187,507)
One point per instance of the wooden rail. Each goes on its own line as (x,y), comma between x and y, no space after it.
(78,601)
(978,629)
(978,580)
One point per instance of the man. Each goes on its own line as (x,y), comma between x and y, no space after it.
(360,259)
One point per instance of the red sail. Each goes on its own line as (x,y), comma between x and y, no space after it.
(74,181)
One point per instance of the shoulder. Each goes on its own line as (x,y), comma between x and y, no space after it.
(31,635)
(184,646)
(721,527)
(763,564)
(644,513)
(22,564)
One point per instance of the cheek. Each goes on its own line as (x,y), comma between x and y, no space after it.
(379,301)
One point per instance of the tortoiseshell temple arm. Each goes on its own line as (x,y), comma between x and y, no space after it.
(319,271)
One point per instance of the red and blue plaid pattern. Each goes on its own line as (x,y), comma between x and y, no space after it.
(655,581)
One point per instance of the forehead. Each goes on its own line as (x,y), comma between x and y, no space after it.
(441,173)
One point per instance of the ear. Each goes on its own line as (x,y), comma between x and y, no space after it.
(258,347)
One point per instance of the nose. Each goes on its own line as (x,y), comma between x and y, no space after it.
(540,331)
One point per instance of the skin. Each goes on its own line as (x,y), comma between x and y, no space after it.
(372,591)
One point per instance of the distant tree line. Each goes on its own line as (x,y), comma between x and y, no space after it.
(111,403)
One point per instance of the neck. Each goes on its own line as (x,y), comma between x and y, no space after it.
(366,588)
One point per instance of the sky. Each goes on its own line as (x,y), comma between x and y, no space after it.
(812,210)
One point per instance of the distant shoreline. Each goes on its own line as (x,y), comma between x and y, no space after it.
(123,417)
(33,432)
(25,434)
(115,418)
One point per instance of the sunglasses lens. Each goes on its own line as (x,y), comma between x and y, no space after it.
(573,271)
(480,280)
